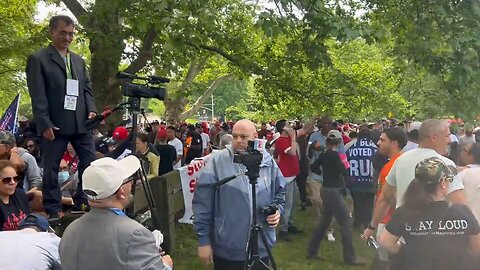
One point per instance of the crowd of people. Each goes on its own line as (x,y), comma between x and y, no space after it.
(414,185)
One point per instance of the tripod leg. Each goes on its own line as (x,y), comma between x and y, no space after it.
(249,262)
(269,250)
(150,199)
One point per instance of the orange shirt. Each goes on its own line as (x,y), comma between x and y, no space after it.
(382,179)
(188,142)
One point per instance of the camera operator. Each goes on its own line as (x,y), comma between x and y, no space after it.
(222,215)
(105,238)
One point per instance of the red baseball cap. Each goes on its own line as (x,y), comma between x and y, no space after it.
(162,134)
(120,133)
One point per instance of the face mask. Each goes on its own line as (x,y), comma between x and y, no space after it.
(63,176)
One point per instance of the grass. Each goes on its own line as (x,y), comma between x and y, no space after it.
(288,255)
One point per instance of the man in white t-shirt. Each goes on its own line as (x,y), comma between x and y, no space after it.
(434,138)
(173,140)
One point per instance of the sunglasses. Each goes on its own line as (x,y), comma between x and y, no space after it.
(30,146)
(7,180)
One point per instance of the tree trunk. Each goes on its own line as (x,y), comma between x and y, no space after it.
(105,32)
(199,102)
(176,101)
(106,47)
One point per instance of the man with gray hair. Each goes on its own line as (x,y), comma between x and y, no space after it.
(433,142)
(225,140)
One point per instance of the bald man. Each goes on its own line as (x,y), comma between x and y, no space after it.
(223,214)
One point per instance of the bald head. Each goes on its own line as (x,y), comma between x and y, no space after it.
(242,132)
(245,124)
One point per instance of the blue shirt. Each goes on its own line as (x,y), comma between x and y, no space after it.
(360,157)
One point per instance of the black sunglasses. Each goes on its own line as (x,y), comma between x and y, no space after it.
(7,180)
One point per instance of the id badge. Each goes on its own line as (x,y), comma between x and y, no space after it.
(72,87)
(70,103)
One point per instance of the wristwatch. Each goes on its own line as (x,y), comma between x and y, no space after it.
(371,227)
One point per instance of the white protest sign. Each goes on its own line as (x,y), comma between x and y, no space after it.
(188,176)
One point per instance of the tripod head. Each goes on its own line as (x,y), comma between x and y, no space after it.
(251,158)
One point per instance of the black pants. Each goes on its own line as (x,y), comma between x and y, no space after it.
(302,186)
(223,264)
(333,206)
(362,208)
(52,153)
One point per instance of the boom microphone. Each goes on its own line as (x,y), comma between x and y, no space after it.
(152,79)
(124,75)
(158,79)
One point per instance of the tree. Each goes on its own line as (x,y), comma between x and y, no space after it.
(440,40)
(178,39)
(19,34)
(360,83)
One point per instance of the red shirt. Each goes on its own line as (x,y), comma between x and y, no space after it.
(288,164)
(382,179)
(72,162)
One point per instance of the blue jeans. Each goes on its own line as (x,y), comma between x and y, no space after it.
(286,218)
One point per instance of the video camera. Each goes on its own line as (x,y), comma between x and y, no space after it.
(149,89)
(252,157)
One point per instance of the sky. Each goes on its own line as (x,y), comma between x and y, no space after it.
(44,11)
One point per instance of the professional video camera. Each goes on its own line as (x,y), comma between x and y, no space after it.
(149,89)
(252,157)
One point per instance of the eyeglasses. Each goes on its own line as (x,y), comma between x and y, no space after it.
(129,180)
(7,180)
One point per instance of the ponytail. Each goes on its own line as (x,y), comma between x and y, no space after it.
(417,196)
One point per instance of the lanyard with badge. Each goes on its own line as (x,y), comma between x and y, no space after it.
(72,87)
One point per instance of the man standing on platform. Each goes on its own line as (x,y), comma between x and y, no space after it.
(62,101)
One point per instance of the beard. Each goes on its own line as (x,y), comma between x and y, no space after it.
(129,200)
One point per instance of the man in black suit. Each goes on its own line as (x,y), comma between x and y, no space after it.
(62,101)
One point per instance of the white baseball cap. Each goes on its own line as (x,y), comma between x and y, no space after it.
(106,175)
(334,134)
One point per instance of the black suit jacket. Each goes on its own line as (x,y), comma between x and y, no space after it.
(47,80)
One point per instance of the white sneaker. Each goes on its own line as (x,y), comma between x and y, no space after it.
(330,237)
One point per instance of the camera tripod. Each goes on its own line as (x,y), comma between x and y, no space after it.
(253,256)
(134,105)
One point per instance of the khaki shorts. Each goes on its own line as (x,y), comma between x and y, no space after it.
(314,188)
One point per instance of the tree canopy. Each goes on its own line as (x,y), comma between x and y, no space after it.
(353,59)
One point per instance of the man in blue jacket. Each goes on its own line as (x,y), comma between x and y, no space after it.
(223,215)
